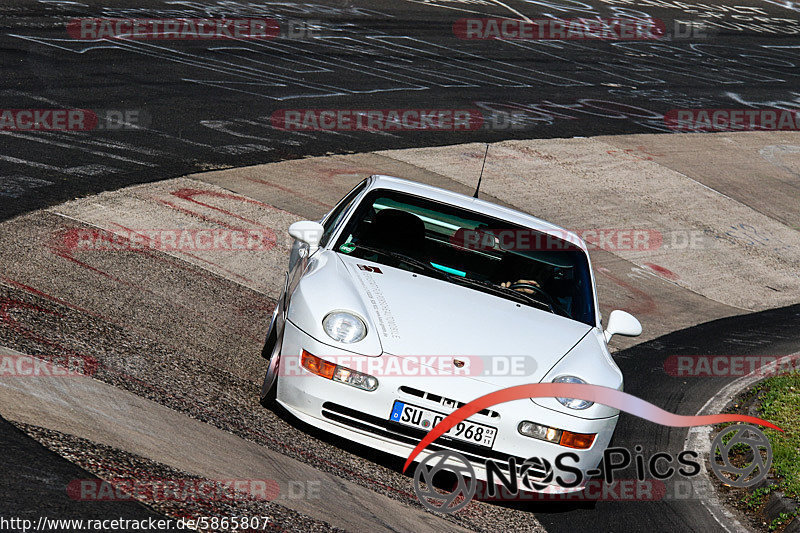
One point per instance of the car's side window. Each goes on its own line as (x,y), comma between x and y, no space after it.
(335,217)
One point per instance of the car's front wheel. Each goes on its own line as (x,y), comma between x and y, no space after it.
(271,353)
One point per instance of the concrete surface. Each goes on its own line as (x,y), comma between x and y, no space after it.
(104,414)
(184,328)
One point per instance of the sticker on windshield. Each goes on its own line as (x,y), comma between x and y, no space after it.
(347,247)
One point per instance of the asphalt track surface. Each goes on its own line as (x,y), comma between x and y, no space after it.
(34,479)
(767,332)
(178,339)
(213,110)
(203,106)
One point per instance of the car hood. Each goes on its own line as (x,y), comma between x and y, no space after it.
(418,316)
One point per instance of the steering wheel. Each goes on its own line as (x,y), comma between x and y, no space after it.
(549,301)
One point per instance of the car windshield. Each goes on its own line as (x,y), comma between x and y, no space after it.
(471,249)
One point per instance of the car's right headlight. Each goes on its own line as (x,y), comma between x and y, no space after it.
(572,403)
(344,326)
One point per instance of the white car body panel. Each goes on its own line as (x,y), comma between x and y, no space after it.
(410,314)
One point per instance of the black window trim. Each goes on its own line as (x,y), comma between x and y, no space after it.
(342,206)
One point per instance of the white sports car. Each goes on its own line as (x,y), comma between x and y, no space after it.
(408,301)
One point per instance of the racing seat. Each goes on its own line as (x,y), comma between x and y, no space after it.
(396,230)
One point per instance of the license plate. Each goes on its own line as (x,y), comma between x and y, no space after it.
(419,417)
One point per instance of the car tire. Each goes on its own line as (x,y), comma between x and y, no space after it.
(270,351)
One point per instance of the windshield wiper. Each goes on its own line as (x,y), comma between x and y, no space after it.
(497,289)
(427,267)
(528,298)
(531,298)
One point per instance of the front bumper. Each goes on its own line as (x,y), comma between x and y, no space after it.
(363,416)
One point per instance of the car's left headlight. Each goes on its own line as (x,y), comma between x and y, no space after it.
(572,403)
(343,326)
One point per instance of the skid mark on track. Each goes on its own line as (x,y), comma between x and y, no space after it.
(190,194)
(55,299)
(63,248)
(65,243)
(7,319)
(643,303)
(7,305)
(661,271)
(183,265)
(197,214)
(187,405)
(290,191)
(210,229)
(329,175)
(36,292)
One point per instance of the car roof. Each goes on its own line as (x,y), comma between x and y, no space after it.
(380,181)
